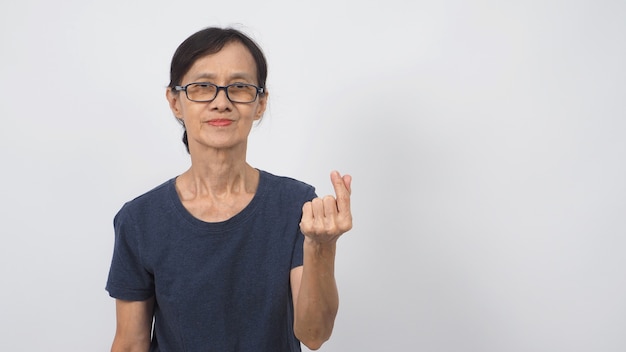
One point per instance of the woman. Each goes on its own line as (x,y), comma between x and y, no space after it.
(225,257)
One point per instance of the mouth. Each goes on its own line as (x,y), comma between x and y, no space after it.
(220,122)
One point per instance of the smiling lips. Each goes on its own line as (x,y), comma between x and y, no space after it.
(220,122)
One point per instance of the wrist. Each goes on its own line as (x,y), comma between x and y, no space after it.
(321,249)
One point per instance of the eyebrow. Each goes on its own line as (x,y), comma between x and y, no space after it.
(236,75)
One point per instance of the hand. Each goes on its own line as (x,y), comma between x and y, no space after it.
(325,219)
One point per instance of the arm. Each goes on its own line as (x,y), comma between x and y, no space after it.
(315,296)
(134,325)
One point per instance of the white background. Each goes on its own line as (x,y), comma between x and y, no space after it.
(487,141)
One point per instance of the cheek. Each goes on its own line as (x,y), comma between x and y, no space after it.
(189,112)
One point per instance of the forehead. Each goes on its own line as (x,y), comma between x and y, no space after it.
(234,60)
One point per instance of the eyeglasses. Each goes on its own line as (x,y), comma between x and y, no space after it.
(205,92)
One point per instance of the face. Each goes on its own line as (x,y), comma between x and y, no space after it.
(219,124)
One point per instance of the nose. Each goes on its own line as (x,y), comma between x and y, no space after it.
(221,101)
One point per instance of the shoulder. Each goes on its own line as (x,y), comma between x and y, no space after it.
(286,185)
(148,201)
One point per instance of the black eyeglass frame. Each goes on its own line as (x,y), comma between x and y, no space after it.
(259,90)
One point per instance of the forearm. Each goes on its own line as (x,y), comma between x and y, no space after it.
(121,344)
(318,299)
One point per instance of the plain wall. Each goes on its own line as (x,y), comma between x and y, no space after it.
(486,140)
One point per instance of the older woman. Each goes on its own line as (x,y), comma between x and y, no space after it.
(225,257)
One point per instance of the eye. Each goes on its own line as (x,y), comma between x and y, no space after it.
(240,85)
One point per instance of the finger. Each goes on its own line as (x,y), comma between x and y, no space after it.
(330,207)
(342,190)
(306,222)
(307,212)
(318,209)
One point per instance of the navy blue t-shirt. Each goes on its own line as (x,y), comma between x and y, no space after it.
(220,286)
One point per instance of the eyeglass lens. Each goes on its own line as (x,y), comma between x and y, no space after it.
(236,93)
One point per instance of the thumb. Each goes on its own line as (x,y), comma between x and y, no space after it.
(347,180)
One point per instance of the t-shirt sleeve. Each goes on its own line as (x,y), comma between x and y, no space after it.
(128,278)
(297,258)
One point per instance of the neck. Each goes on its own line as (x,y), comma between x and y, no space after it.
(218,173)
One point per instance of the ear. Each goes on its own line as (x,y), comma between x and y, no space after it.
(173,98)
(260,109)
